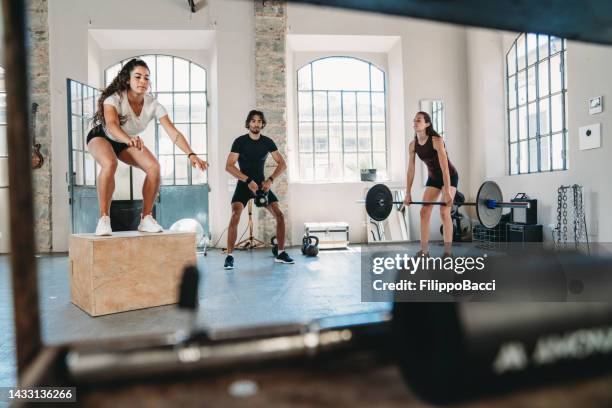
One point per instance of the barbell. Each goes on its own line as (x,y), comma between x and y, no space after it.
(489,203)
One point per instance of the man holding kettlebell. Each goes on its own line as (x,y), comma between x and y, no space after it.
(250,152)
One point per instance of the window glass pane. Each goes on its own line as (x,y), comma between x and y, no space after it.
(514,158)
(198,139)
(378,79)
(77,133)
(181,107)
(557,150)
(338,73)
(365,160)
(350,138)
(336,166)
(181,75)
(351,169)
(532,49)
(557,113)
(520,51)
(304,78)
(167,102)
(522,88)
(555,45)
(182,170)
(166,146)
(166,163)
(77,158)
(531,84)
(306,166)
(524,157)
(363,106)
(198,78)
(512,92)
(75,94)
(380,164)
(543,45)
(543,78)
(306,137)
(365,137)
(544,116)
(164,73)
(378,107)
(511,61)
(349,106)
(335,137)
(138,178)
(305,106)
(378,137)
(122,182)
(522,122)
(198,176)
(335,109)
(321,166)
(545,153)
(555,73)
(320,106)
(320,133)
(512,124)
(533,119)
(198,107)
(533,155)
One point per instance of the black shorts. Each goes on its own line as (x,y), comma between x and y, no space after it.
(98,131)
(243,194)
(438,182)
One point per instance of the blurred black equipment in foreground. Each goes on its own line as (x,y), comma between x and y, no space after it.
(447,351)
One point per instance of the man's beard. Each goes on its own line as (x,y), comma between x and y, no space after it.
(255,130)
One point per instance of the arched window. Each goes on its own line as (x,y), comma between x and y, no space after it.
(537,106)
(180,86)
(341,119)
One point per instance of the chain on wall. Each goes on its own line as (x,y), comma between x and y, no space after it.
(571,217)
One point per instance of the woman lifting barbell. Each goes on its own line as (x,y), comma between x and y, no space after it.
(443,177)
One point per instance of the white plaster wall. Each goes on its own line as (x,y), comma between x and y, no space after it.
(587,76)
(428,61)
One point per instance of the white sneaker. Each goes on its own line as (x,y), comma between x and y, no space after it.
(104,226)
(148,224)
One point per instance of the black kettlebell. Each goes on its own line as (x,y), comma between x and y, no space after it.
(274,243)
(261,198)
(308,247)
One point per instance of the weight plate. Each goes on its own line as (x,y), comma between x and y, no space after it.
(489,217)
(379,201)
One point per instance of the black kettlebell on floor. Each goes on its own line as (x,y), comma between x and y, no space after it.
(274,244)
(261,198)
(310,248)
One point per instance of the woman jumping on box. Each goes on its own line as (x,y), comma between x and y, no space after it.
(124,111)
(443,177)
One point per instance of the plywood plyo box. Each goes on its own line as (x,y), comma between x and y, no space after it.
(128,270)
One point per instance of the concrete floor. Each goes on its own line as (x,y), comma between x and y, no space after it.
(257,292)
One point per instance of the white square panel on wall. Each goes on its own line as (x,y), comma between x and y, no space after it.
(589,137)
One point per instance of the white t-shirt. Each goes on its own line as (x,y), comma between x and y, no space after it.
(135,125)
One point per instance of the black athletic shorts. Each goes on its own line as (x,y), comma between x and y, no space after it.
(439,182)
(243,194)
(98,131)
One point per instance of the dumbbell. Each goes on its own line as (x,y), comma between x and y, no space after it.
(447,352)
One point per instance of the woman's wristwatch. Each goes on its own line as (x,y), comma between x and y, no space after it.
(271,179)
